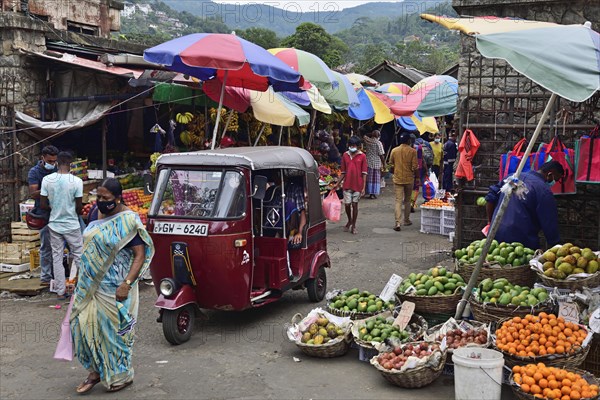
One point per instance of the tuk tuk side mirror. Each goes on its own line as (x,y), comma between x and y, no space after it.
(259,187)
(148,184)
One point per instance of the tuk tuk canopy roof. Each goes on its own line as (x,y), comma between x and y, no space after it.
(255,158)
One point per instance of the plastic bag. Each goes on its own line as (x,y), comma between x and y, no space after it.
(64,348)
(332,207)
(434,179)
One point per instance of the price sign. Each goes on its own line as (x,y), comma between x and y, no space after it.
(390,288)
(405,314)
(569,311)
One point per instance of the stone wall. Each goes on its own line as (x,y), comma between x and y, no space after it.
(22,84)
(501,106)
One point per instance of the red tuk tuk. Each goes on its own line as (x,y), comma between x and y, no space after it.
(223,224)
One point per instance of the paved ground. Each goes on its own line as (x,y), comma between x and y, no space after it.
(235,355)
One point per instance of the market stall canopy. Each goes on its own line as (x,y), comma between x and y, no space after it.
(51,127)
(311,97)
(417,123)
(434,96)
(394,88)
(225,57)
(565,59)
(364,110)
(309,65)
(343,96)
(268,107)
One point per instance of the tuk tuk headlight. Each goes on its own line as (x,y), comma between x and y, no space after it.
(167,287)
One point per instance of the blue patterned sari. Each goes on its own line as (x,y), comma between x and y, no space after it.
(101,326)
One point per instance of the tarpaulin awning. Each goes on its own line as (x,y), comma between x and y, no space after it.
(50,127)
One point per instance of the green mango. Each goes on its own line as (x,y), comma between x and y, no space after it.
(486,284)
(450,286)
(499,285)
(372,309)
(517,262)
(442,271)
(439,286)
(519,251)
(457,277)
(412,277)
(542,296)
(362,307)
(511,257)
(429,284)
(505,299)
(458,254)
(352,304)
(432,291)
(421,292)
(532,300)
(370,325)
(375,332)
(351,292)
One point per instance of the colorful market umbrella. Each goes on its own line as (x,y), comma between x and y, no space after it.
(394,88)
(434,96)
(372,105)
(228,58)
(311,97)
(565,59)
(268,107)
(360,80)
(417,123)
(310,66)
(343,96)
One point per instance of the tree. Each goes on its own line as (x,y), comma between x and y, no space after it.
(263,37)
(314,39)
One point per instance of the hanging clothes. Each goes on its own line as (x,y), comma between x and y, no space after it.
(467,149)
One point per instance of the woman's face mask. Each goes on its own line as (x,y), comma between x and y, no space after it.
(106,206)
(437,140)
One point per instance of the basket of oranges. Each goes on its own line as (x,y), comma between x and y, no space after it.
(534,381)
(541,338)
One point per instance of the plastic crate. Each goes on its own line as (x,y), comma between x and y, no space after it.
(430,228)
(446,230)
(449,370)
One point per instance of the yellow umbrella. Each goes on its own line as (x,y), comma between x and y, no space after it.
(383,115)
(485,25)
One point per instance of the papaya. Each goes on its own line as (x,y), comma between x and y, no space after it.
(351,292)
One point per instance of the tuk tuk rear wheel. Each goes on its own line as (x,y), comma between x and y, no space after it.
(317,287)
(179,324)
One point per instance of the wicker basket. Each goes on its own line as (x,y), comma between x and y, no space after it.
(432,333)
(414,377)
(521,275)
(416,327)
(592,361)
(432,304)
(572,285)
(334,348)
(494,312)
(567,361)
(519,394)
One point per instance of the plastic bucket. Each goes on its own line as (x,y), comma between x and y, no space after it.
(477,374)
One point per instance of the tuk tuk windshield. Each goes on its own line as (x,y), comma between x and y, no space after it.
(213,194)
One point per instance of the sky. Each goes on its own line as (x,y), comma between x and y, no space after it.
(307,5)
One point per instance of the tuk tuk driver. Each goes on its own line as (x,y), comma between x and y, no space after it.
(295,212)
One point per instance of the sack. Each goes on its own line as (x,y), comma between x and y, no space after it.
(332,207)
(64,348)
(428,189)
(557,151)
(587,158)
(509,162)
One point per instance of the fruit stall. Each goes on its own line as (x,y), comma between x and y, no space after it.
(438,216)
(538,312)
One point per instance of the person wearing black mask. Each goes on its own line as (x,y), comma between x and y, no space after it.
(44,167)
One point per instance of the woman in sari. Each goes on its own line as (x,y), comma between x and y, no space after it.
(117,250)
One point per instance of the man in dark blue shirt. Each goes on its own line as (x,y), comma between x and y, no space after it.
(450,153)
(524,218)
(46,166)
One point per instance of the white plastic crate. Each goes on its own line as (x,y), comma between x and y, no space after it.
(430,228)
(446,230)
(14,267)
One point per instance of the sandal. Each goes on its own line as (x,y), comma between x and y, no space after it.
(119,387)
(87,385)
(354,231)
(397,228)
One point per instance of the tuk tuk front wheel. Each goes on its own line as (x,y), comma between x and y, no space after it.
(179,324)
(317,286)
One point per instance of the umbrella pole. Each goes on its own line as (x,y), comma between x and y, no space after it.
(259,134)
(502,210)
(214,136)
(280,134)
(227,123)
(289,136)
(313,121)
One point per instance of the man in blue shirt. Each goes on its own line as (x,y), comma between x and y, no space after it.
(46,166)
(450,153)
(524,218)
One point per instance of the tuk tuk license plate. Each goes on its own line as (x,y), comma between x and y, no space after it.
(181,228)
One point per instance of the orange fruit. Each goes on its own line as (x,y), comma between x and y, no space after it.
(543,383)
(560,349)
(528,380)
(516,369)
(538,376)
(535,389)
(566,382)
(525,387)
(575,395)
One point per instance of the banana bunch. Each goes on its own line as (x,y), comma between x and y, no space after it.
(213,115)
(234,125)
(184,118)
(153,158)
